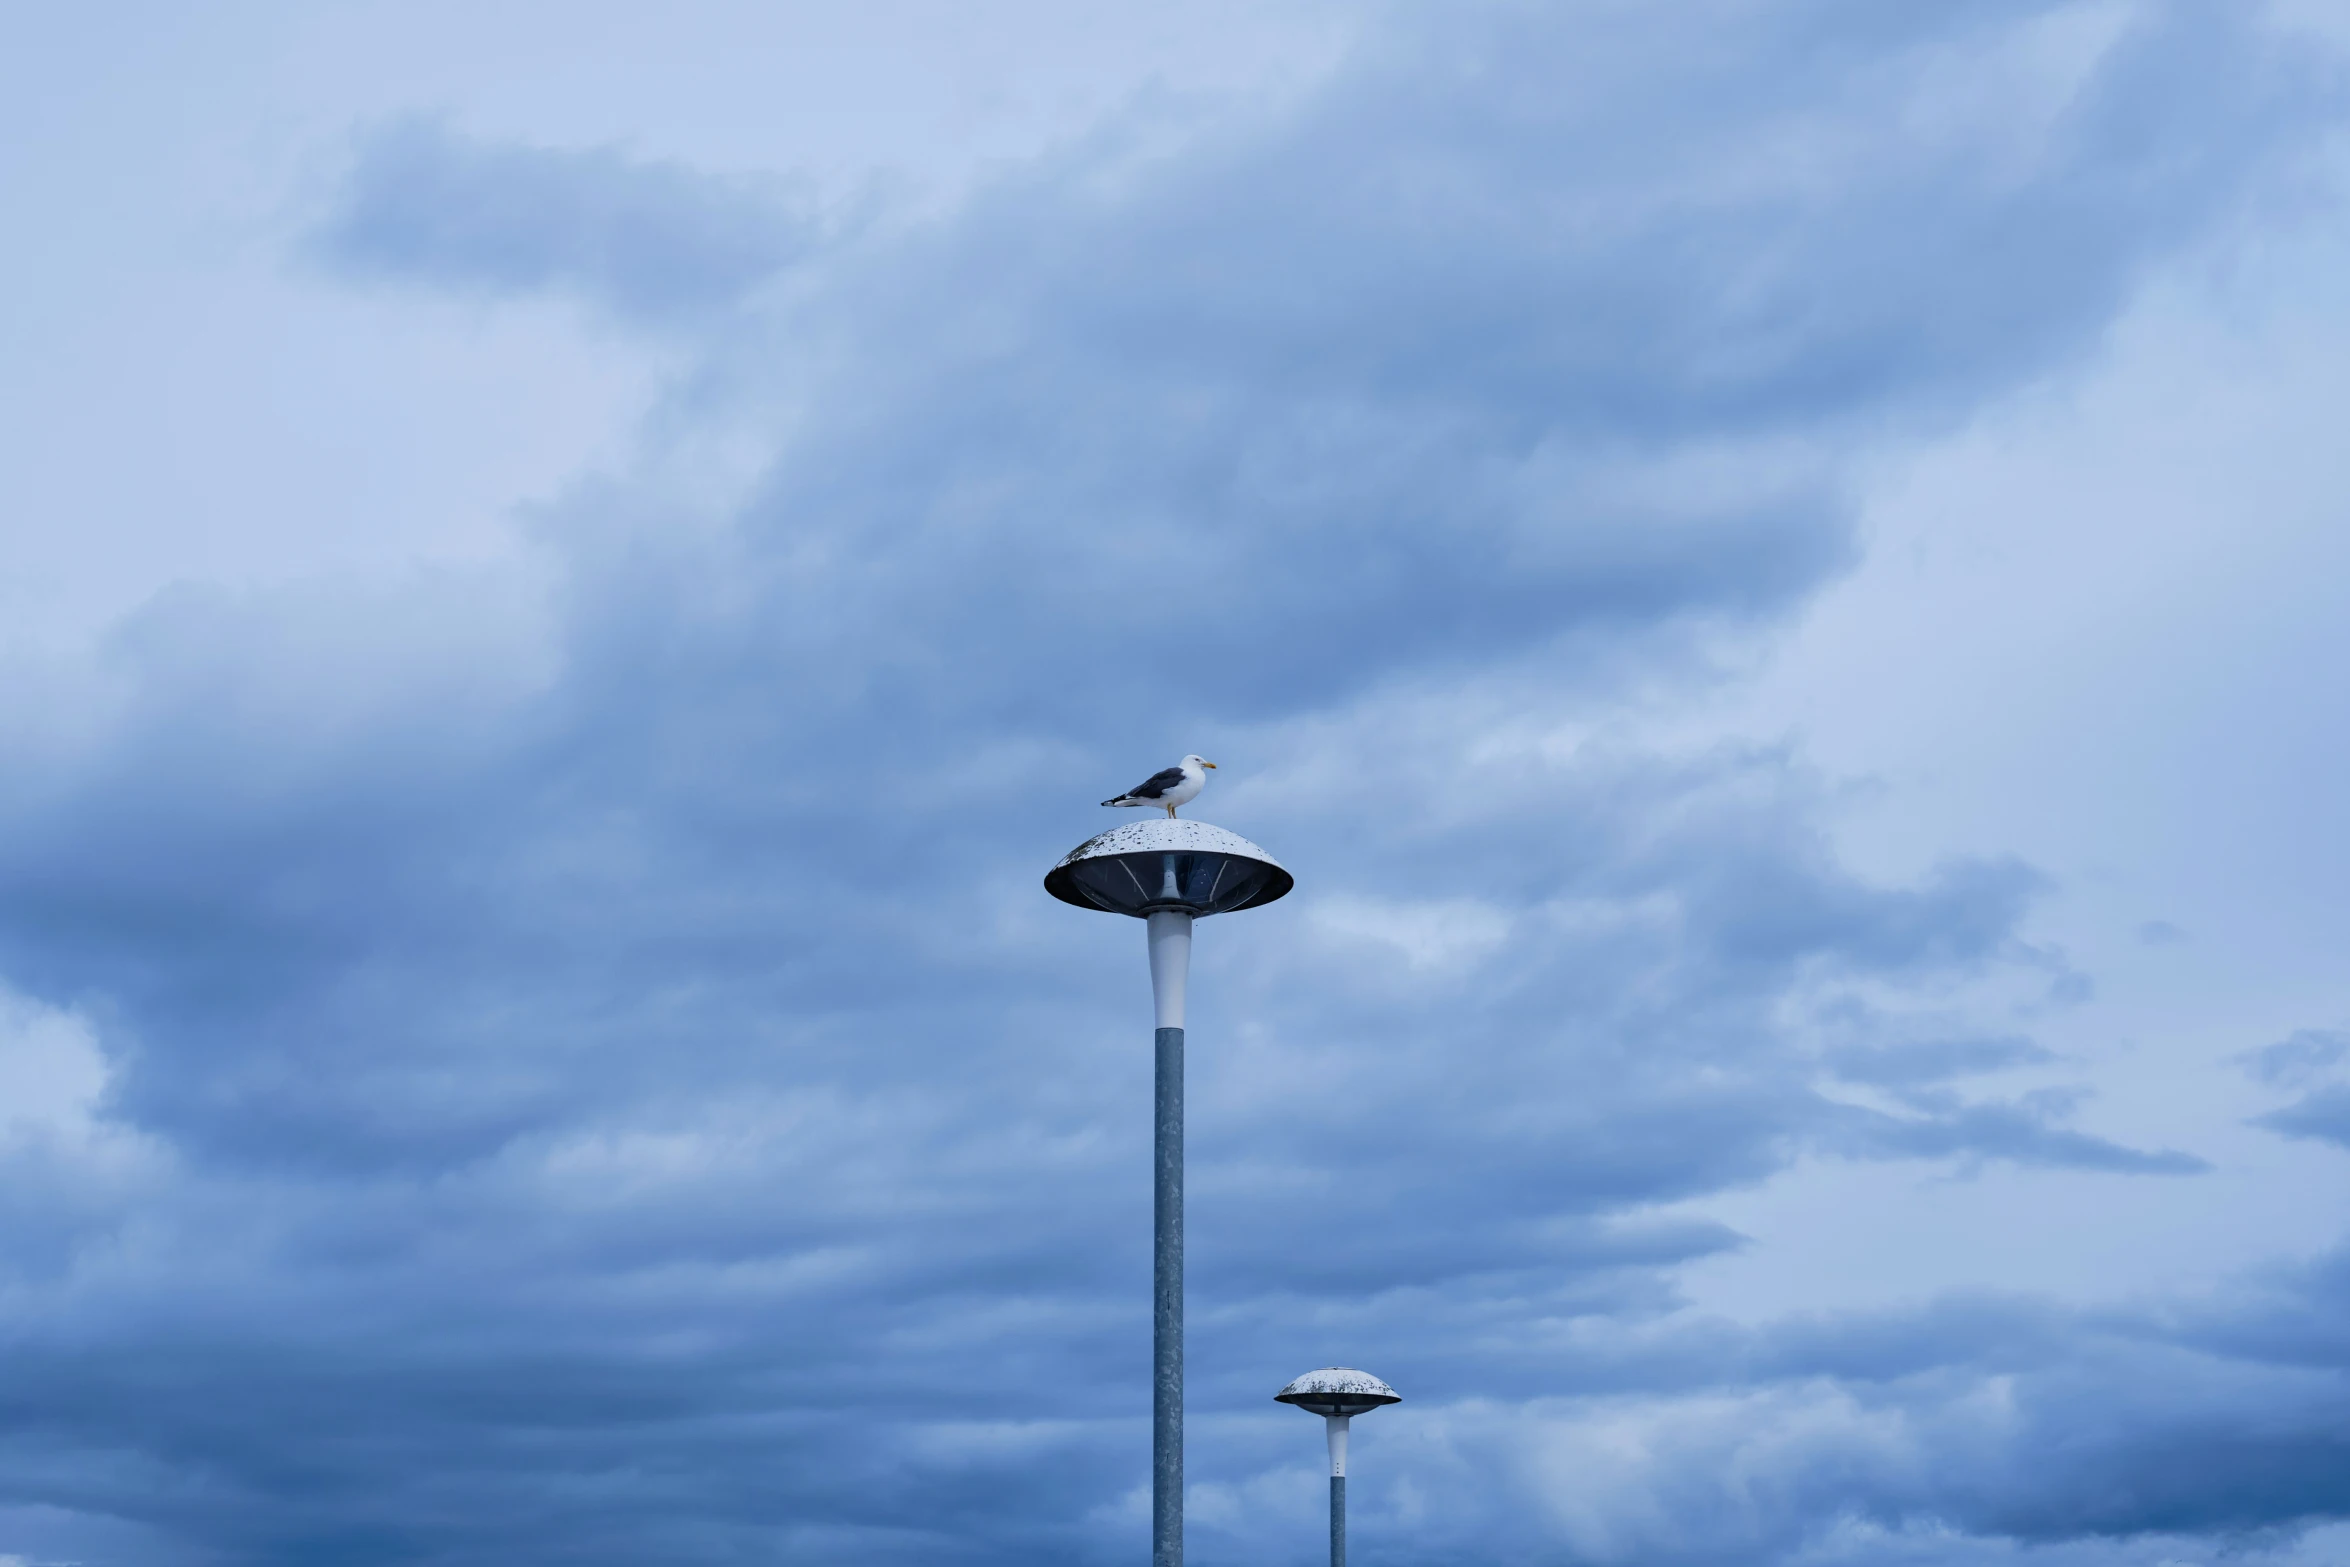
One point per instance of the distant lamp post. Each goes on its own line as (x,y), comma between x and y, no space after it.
(1337,1394)
(1167,873)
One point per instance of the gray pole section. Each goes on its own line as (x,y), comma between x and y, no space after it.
(1167,1311)
(1336,1427)
(1170,947)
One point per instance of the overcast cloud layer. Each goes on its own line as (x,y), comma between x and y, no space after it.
(561,1056)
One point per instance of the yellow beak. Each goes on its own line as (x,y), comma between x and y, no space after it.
(1207,764)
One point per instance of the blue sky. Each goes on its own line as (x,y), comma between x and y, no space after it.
(1775,570)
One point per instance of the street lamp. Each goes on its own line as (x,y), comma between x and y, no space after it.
(1167,873)
(1337,1394)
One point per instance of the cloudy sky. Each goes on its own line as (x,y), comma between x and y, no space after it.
(1778,569)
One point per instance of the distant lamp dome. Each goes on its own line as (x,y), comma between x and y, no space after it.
(1338,1390)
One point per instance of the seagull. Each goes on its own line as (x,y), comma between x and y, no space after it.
(1169,786)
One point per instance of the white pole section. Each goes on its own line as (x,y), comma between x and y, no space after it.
(1170,936)
(1337,1424)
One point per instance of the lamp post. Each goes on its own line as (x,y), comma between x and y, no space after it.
(1337,1394)
(1167,874)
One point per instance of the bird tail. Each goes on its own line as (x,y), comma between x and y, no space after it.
(1121,800)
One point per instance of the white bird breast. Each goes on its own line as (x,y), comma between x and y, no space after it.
(1194,780)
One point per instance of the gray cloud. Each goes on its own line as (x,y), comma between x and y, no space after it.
(2304,1060)
(2299,1060)
(2323,1114)
(650,239)
(1917,1064)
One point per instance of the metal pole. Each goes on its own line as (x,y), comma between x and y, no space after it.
(1170,944)
(1337,1430)
(1167,1311)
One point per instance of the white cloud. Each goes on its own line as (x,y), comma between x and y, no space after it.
(1444,935)
(52,1074)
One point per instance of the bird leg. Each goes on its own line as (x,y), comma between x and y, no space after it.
(1170,813)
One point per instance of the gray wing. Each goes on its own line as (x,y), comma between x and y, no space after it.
(1156,784)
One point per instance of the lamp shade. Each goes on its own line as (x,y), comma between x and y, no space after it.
(1337,1390)
(1143,868)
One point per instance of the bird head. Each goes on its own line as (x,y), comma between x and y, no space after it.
(1198,761)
